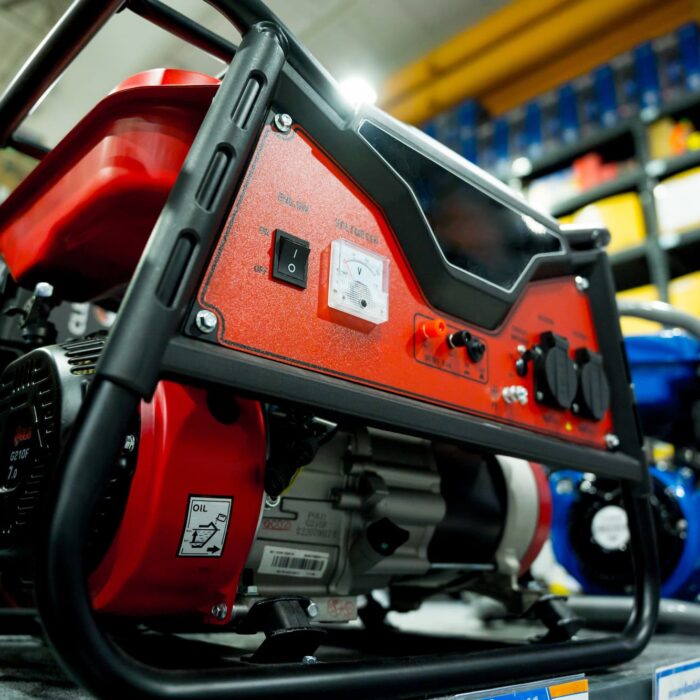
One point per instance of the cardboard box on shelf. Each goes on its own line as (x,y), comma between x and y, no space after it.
(622,215)
(684,293)
(677,203)
(638,326)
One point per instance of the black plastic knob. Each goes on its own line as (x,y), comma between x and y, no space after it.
(459,339)
(476,349)
(556,381)
(593,395)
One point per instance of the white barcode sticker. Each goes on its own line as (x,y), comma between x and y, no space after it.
(280,561)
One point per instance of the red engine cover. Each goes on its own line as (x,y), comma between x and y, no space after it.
(81,219)
(192,512)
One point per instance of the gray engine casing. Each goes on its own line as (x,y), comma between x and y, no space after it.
(313,541)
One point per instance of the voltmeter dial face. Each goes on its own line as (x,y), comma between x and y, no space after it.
(359,282)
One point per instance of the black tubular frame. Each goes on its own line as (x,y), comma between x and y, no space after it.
(145,344)
(183,27)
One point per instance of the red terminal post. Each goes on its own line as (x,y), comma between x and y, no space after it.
(435,328)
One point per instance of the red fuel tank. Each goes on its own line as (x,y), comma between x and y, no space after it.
(81,219)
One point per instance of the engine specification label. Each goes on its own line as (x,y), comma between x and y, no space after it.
(281,561)
(206,524)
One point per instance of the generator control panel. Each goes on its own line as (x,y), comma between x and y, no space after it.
(308,272)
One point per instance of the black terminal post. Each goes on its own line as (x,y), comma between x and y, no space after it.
(475,347)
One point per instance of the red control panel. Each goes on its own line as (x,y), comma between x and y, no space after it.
(309,273)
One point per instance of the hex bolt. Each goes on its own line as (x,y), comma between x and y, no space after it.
(283,123)
(129,443)
(582,284)
(219,611)
(205,321)
(312,610)
(309,660)
(43,290)
(612,442)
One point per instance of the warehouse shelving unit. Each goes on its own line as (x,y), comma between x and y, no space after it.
(660,258)
(624,183)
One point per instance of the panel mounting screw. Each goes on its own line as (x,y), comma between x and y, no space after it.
(312,610)
(205,321)
(582,284)
(612,442)
(283,122)
(43,290)
(219,611)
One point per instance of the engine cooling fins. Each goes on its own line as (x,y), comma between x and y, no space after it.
(40,396)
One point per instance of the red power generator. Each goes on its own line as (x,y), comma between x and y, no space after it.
(340,354)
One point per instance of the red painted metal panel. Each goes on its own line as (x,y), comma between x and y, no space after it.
(294,186)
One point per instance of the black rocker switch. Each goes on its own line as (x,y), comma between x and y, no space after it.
(291,259)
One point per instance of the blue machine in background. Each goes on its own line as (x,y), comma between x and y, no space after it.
(590,534)
(664,371)
(589,526)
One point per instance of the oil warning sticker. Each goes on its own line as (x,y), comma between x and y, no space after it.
(282,561)
(206,524)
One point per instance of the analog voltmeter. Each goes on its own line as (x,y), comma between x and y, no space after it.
(358,283)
